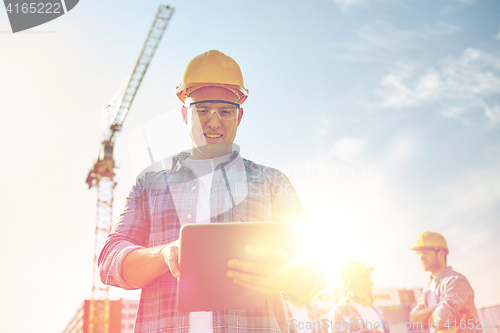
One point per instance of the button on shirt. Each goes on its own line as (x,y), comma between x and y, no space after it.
(201,322)
(162,201)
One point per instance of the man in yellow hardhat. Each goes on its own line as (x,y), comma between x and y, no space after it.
(447,302)
(356,312)
(210,183)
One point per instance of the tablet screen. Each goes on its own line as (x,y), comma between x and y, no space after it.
(203,255)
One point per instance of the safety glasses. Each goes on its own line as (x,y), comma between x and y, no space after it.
(204,110)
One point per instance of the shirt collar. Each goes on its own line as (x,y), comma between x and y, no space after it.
(178,160)
(442,273)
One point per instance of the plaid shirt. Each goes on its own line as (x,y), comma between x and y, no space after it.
(315,321)
(343,318)
(455,301)
(161,202)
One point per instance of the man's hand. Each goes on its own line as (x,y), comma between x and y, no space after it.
(171,255)
(141,266)
(270,277)
(422,316)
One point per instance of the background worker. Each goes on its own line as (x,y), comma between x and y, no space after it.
(211,183)
(357,304)
(448,296)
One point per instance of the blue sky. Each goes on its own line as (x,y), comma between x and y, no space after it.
(384,114)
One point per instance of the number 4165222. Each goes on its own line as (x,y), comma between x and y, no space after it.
(471,324)
(42,8)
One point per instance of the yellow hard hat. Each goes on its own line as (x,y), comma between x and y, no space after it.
(354,269)
(213,69)
(431,240)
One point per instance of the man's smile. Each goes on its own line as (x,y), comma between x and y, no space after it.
(213,136)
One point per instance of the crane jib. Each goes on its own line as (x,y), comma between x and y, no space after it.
(101,175)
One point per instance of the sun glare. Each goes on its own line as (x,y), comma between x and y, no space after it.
(333,244)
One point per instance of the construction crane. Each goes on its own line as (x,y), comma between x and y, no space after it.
(101,176)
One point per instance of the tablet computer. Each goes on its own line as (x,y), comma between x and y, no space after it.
(203,254)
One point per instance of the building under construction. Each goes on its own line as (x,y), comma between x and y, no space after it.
(395,303)
(121,317)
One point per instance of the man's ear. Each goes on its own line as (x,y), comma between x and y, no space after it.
(184,114)
(441,254)
(240,115)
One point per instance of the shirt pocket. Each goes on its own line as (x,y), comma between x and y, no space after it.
(165,226)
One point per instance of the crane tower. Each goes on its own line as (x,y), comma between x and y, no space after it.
(101,175)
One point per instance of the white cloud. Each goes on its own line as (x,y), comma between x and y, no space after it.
(492,113)
(346,149)
(382,40)
(441,28)
(325,125)
(396,92)
(345,4)
(459,84)
(403,148)
(475,191)
(382,34)
(326,121)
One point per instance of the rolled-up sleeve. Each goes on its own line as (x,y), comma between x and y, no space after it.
(129,234)
(420,305)
(456,294)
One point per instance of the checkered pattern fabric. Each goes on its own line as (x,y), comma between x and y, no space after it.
(343,318)
(161,202)
(317,325)
(455,302)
